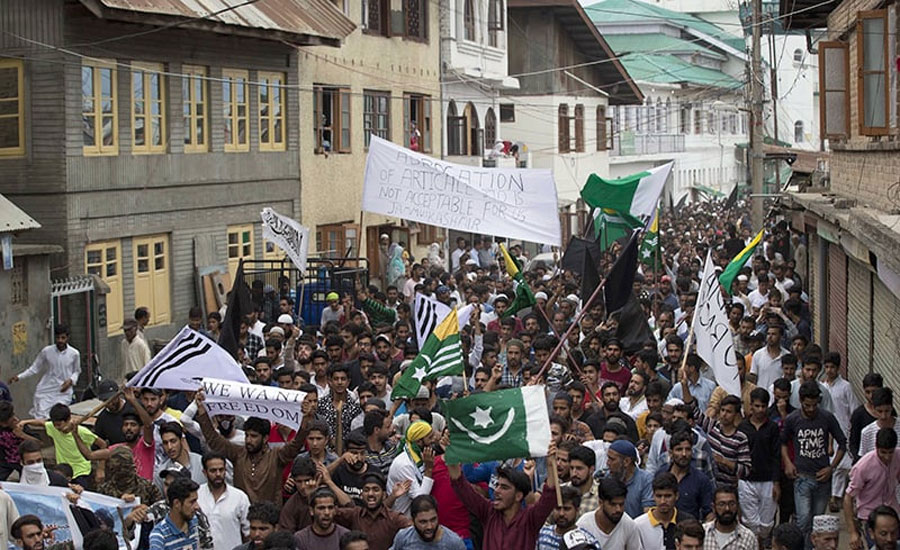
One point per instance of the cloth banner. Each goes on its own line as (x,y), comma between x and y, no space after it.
(275,404)
(51,505)
(714,342)
(288,235)
(184,361)
(516,203)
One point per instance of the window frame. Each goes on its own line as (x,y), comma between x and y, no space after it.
(563,137)
(424,113)
(373,115)
(579,128)
(825,91)
(341,228)
(115,319)
(865,129)
(264,82)
(238,229)
(602,132)
(340,99)
(383,9)
(158,315)
(98,148)
(146,71)
(19,66)
(197,73)
(509,115)
(490,129)
(233,77)
(421,7)
(469,21)
(495,23)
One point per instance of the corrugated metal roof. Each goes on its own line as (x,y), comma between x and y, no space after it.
(303,21)
(654,43)
(669,69)
(13,218)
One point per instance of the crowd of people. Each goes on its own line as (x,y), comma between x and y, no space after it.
(647,450)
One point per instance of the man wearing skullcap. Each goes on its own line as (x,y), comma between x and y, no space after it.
(826,531)
(621,459)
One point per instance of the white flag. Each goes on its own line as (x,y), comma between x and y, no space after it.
(288,235)
(274,404)
(714,342)
(429,313)
(185,360)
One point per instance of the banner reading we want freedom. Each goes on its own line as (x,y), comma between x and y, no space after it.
(508,202)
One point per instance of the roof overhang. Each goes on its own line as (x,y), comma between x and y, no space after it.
(13,219)
(298,22)
(616,81)
(805,14)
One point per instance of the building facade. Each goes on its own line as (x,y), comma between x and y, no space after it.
(146,140)
(851,224)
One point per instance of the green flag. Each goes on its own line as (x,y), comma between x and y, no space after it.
(524,296)
(649,254)
(610,226)
(498,425)
(632,197)
(734,267)
(441,355)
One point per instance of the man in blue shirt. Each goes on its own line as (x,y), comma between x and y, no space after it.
(695,490)
(621,458)
(700,386)
(178,531)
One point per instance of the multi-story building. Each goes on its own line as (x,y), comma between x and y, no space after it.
(851,225)
(569,79)
(146,137)
(692,73)
(383,81)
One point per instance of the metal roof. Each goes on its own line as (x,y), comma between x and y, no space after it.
(13,218)
(301,22)
(656,43)
(615,79)
(670,69)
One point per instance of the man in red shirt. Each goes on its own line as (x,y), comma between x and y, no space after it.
(615,368)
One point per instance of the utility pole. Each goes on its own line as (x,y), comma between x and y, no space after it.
(774,83)
(756,121)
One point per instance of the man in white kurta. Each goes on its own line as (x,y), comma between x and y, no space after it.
(59,366)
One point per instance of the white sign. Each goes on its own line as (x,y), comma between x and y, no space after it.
(288,235)
(509,202)
(714,342)
(275,404)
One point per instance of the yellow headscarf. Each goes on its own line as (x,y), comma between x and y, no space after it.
(415,432)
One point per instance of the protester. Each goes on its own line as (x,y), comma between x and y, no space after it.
(59,366)
(224,505)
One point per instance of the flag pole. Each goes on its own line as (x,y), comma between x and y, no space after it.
(569,359)
(553,474)
(97,409)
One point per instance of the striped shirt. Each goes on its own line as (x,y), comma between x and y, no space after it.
(734,447)
(167,536)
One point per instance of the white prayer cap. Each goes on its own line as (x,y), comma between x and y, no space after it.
(825,524)
(742,278)
(276,330)
(540,295)
(572,298)
(285,319)
(674,401)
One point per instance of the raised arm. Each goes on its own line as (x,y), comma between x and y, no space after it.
(214,439)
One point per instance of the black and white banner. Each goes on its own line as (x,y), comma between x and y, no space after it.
(288,235)
(428,313)
(186,359)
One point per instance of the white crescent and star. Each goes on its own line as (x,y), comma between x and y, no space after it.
(484,415)
(419,374)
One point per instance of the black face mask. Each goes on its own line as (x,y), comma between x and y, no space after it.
(225,427)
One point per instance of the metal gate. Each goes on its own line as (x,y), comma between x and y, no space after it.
(837,299)
(859,322)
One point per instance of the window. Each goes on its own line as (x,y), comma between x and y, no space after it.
(834,101)
(507,112)
(99,114)
(415,16)
(798,132)
(490,129)
(376,115)
(495,22)
(873,77)
(338,240)
(684,119)
(616,122)
(151,277)
(271,111)
(665,116)
(563,128)
(469,20)
(601,128)
(455,124)
(417,122)
(472,141)
(711,122)
(331,119)
(639,119)
(235,97)
(148,108)
(104,259)
(18,285)
(240,246)
(698,121)
(374,16)
(579,128)
(798,56)
(195,100)
(12,107)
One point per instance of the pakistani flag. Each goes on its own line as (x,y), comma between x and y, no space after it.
(524,296)
(441,355)
(498,425)
(650,245)
(734,267)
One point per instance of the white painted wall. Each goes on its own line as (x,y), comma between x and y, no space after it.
(798,98)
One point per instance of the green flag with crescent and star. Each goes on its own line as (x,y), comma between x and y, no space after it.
(650,245)
(498,425)
(441,355)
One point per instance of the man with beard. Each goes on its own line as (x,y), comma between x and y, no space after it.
(180,528)
(695,490)
(884,528)
(108,425)
(760,491)
(725,531)
(621,460)
(674,347)
(657,526)
(512,371)
(373,516)
(224,505)
(562,407)
(378,428)
(154,402)
(581,476)
(263,518)
(257,467)
(323,533)
(609,524)
(426,532)
(635,404)
(609,392)
(30,534)
(176,449)
(551,536)
(615,368)
(295,514)
(348,470)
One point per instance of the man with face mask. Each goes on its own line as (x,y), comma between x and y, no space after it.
(726,531)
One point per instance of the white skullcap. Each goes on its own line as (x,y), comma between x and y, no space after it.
(825,524)
(540,295)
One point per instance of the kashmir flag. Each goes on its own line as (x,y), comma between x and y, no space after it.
(738,262)
(524,296)
(498,425)
(650,244)
(441,355)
